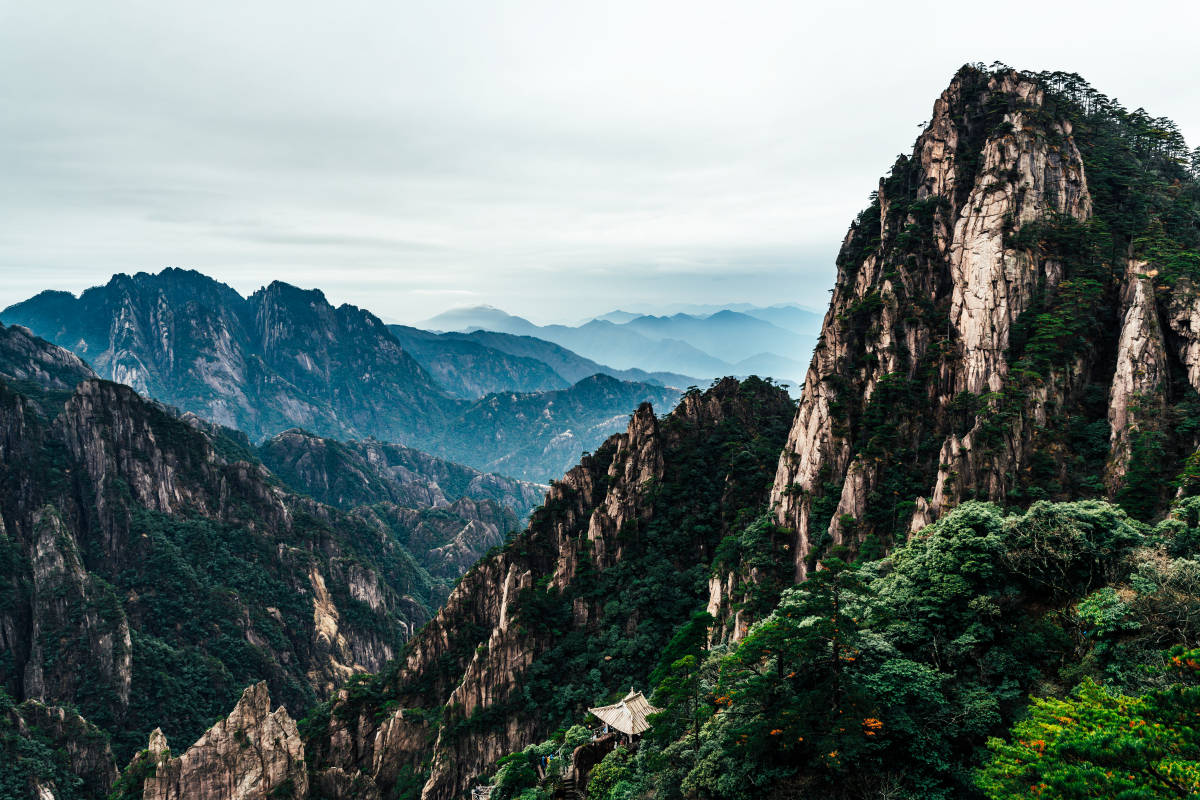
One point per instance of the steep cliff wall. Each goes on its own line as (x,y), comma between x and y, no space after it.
(471,656)
(989,334)
(146,578)
(51,753)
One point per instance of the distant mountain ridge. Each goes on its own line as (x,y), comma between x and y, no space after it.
(524,435)
(598,340)
(286,358)
(445,514)
(724,342)
(352,474)
(441,351)
(470,369)
(282,357)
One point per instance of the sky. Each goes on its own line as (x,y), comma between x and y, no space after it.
(556,159)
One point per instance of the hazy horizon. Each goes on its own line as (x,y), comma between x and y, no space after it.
(555,161)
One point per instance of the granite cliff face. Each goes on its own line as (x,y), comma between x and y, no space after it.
(253,754)
(990,333)
(147,577)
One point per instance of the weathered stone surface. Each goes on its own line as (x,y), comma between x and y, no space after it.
(1139,383)
(68,603)
(1182,318)
(975,188)
(253,753)
(1022,178)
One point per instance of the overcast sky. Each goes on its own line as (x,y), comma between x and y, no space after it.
(556,159)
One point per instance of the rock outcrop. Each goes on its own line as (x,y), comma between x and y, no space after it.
(253,754)
(1139,384)
(66,600)
(59,752)
(983,327)
(25,359)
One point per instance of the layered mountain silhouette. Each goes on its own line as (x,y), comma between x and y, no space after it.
(286,358)
(989,491)
(467,359)
(766,341)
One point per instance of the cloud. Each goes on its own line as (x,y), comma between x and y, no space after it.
(555,159)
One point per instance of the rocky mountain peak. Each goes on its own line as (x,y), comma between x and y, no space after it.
(30,360)
(253,754)
(948,350)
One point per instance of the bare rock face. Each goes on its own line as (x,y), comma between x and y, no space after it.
(253,753)
(341,652)
(1022,179)
(940,374)
(731,624)
(1182,320)
(940,239)
(1140,381)
(79,628)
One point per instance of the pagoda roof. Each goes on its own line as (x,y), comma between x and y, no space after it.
(629,715)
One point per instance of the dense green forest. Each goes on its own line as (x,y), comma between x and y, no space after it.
(900,677)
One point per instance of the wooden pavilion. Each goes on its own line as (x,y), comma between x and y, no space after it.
(627,716)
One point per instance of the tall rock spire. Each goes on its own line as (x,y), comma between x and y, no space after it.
(932,279)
